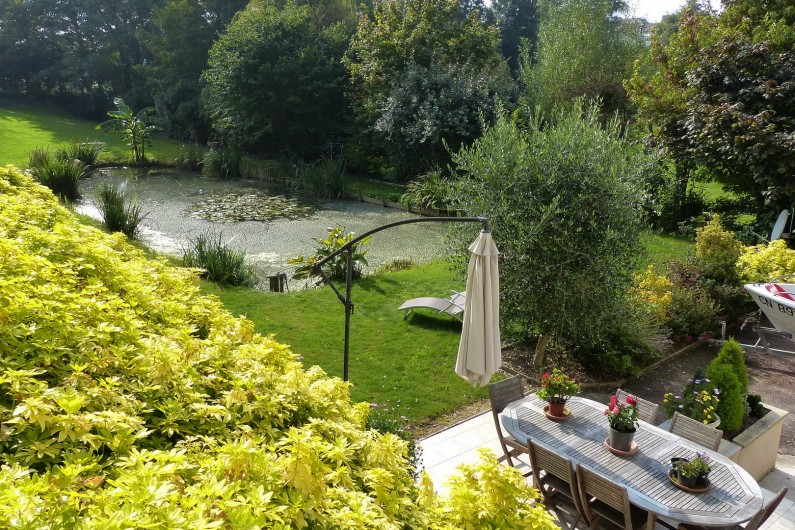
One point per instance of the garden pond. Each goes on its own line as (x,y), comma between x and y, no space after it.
(269,223)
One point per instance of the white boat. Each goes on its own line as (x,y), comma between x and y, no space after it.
(777,302)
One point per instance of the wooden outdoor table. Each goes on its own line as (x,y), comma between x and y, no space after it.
(734,498)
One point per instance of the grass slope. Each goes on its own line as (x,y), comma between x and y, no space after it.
(24,127)
(407,365)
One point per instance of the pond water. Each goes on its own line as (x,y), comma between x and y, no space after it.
(180,205)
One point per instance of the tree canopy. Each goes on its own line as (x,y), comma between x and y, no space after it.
(421,77)
(719,94)
(276,81)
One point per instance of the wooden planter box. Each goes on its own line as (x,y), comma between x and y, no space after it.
(756,448)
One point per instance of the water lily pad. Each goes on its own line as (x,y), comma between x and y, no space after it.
(249,205)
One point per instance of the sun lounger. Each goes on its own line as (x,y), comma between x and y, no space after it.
(454,306)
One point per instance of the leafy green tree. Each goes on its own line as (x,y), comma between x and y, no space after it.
(276,82)
(136,132)
(80,52)
(584,50)
(719,95)
(564,204)
(179,40)
(518,22)
(423,53)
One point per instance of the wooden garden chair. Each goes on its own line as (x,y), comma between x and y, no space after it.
(601,498)
(647,410)
(501,394)
(695,431)
(555,478)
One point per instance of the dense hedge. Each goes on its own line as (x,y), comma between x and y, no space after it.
(127,399)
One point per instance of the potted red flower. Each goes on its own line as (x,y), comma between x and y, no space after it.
(556,389)
(623,420)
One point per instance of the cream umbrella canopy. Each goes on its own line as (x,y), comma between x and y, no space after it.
(479,353)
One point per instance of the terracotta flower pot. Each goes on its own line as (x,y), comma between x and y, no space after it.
(557,408)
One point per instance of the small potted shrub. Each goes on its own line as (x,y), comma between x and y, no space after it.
(692,473)
(556,389)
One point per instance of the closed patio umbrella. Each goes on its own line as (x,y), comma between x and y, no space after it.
(479,353)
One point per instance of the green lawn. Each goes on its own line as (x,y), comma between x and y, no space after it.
(664,248)
(408,365)
(26,127)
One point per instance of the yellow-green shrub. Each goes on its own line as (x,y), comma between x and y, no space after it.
(717,251)
(654,290)
(127,399)
(762,263)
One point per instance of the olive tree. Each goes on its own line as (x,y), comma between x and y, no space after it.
(564,200)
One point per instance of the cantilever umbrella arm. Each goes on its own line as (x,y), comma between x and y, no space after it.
(349,247)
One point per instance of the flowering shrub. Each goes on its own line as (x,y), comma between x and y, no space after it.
(762,263)
(699,401)
(717,251)
(656,291)
(557,386)
(622,417)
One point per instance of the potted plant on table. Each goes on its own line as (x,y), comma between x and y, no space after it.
(623,420)
(692,473)
(556,389)
(699,401)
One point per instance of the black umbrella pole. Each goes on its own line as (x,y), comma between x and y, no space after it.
(348,311)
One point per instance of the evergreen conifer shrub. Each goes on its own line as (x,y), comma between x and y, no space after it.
(733,356)
(731,405)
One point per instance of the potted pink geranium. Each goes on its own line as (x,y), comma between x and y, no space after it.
(623,420)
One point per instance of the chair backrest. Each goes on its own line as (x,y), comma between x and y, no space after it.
(504,392)
(542,459)
(695,431)
(594,486)
(766,511)
(647,410)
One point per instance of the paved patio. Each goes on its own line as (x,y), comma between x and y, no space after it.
(442,452)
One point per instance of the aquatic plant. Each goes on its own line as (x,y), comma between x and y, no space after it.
(218,262)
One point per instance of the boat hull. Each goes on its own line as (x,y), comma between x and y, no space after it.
(778,307)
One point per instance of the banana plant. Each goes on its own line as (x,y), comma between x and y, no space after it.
(135,129)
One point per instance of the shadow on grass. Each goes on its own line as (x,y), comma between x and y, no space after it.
(375,285)
(430,321)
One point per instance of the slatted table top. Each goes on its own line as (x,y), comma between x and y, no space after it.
(734,498)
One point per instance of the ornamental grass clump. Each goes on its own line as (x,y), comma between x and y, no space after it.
(699,400)
(623,417)
(557,387)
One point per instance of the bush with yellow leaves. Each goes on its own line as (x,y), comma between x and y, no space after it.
(129,400)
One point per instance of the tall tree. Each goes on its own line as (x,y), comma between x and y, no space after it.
(720,95)
(179,39)
(518,22)
(276,81)
(585,49)
(421,76)
(82,51)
